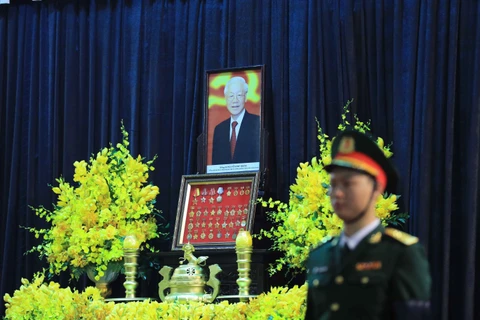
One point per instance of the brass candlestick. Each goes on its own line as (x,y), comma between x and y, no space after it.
(243,248)
(130,249)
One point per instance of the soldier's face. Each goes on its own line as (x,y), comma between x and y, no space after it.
(350,192)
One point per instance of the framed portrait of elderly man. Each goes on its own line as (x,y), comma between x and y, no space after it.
(234,120)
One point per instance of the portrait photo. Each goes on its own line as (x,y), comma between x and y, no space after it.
(233,119)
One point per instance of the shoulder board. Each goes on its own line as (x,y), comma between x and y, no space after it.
(401,236)
(325,240)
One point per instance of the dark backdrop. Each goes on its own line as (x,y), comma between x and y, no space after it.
(71,70)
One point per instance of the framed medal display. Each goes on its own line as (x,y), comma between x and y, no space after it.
(213,208)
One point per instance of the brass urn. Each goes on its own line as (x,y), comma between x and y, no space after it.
(188,280)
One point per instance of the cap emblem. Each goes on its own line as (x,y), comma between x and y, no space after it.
(347,145)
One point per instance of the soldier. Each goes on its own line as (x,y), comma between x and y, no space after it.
(368,272)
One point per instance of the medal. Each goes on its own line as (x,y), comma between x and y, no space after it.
(219,192)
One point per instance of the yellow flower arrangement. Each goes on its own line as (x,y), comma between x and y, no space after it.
(279,303)
(308,218)
(36,300)
(110,200)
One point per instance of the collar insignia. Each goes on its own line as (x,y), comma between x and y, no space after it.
(375,238)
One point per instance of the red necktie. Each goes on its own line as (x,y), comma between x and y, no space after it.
(233,141)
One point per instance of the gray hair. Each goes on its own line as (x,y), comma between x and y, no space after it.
(236,79)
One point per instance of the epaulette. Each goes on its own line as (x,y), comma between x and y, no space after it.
(401,236)
(325,240)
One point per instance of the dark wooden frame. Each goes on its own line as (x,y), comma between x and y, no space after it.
(235,210)
(206,145)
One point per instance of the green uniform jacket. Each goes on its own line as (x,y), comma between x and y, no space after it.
(386,277)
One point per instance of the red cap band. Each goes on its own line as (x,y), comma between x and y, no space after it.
(361,161)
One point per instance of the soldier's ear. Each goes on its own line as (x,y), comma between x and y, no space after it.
(378,187)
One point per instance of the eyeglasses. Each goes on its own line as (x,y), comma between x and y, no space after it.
(238,96)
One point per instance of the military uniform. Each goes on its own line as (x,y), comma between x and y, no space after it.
(385,277)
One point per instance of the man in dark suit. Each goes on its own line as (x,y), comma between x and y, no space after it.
(368,272)
(236,140)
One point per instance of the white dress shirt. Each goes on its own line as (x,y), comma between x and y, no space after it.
(353,240)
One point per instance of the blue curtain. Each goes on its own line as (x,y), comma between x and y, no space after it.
(71,70)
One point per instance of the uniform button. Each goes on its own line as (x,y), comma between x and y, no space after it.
(339,280)
(364,280)
(316,283)
(334,306)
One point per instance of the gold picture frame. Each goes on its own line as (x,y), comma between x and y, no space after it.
(212,208)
